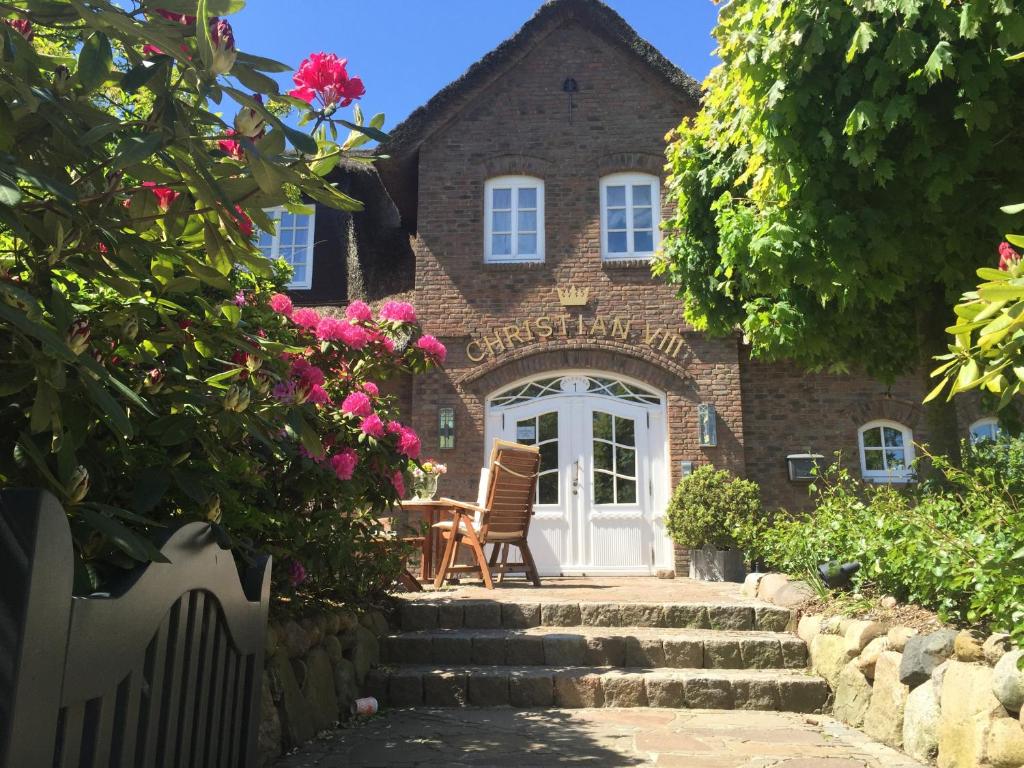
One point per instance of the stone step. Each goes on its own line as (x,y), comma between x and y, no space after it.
(574,687)
(440,613)
(598,647)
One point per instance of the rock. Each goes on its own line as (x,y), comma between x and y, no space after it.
(967,711)
(923,653)
(318,688)
(1008,681)
(295,713)
(268,740)
(332,623)
(769,584)
(997,646)
(898,637)
(345,685)
(853,695)
(809,627)
(771,618)
(564,650)
(624,689)
(531,688)
(347,620)
(333,648)
(888,602)
(869,656)
(296,641)
(559,615)
(938,674)
(578,689)
(365,654)
(735,618)
(833,625)
(829,655)
(271,640)
(859,633)
(884,719)
(794,594)
(520,615)
(1005,747)
(314,630)
(488,688)
(921,723)
(750,582)
(968,646)
(378,623)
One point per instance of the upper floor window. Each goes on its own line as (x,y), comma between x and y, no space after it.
(292,242)
(985,429)
(630,210)
(886,452)
(514,219)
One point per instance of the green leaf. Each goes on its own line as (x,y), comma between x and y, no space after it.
(149,487)
(940,63)
(7,127)
(1017,240)
(262,64)
(135,149)
(301,141)
(307,435)
(255,81)
(203,38)
(139,75)
(122,537)
(10,195)
(232,313)
(369,130)
(1011,209)
(94,62)
(861,40)
(224,376)
(115,415)
(1001,291)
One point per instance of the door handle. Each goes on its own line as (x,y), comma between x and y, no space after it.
(577,469)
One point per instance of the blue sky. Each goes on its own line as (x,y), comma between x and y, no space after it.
(407,50)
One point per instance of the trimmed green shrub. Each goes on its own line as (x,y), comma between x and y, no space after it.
(708,505)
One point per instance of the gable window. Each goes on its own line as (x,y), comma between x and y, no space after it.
(630,212)
(292,242)
(985,429)
(513,219)
(886,452)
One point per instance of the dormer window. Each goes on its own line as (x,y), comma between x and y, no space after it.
(293,242)
(513,219)
(630,213)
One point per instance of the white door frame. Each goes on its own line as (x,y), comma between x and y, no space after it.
(655,494)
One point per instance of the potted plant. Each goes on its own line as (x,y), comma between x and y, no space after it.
(706,508)
(425,477)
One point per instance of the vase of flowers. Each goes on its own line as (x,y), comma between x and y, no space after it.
(424,479)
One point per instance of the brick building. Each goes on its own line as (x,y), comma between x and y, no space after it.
(518,210)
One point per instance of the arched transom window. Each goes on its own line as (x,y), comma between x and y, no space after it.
(886,452)
(574,384)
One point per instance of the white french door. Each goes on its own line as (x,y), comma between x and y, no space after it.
(603,482)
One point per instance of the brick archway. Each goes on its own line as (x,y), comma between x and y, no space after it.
(637,363)
(904,412)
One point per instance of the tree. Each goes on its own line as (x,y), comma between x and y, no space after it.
(150,372)
(843,178)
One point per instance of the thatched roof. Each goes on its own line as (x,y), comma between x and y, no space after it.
(592,14)
(399,170)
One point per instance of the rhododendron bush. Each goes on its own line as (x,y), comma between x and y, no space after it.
(151,370)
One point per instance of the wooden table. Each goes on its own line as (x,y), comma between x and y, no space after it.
(429,511)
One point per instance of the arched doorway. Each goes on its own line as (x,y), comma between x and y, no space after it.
(603,485)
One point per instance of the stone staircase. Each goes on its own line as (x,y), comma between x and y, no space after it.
(593,654)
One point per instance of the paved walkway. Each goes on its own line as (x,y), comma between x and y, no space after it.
(454,738)
(591,589)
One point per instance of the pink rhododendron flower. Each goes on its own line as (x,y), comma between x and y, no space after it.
(344,463)
(22,26)
(165,196)
(372,425)
(1008,257)
(281,304)
(333,329)
(296,573)
(357,404)
(223,39)
(433,348)
(306,318)
(181,18)
(359,311)
(232,147)
(242,221)
(409,443)
(394,427)
(329,329)
(371,389)
(399,311)
(284,391)
(240,299)
(306,372)
(323,76)
(318,395)
(398,481)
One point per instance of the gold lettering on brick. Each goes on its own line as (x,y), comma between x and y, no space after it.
(512,332)
(562,319)
(621,330)
(671,345)
(544,328)
(497,343)
(598,327)
(526,327)
(651,338)
(477,356)
(579,326)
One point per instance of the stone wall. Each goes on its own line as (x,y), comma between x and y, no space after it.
(948,697)
(315,667)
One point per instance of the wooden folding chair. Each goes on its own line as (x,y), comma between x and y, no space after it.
(503,520)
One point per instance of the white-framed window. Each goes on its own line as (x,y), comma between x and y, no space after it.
(293,242)
(886,452)
(514,219)
(630,214)
(985,429)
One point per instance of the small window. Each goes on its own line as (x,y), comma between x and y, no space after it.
(886,452)
(513,219)
(293,242)
(630,214)
(985,429)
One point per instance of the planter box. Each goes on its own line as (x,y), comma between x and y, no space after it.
(710,564)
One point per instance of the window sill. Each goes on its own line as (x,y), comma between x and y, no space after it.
(501,266)
(888,480)
(636,263)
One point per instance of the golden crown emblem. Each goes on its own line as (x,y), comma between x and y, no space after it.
(573,296)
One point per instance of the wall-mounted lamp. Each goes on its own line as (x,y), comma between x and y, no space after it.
(445,427)
(803,467)
(685,468)
(707,425)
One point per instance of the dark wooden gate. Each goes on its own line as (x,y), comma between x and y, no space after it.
(166,674)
